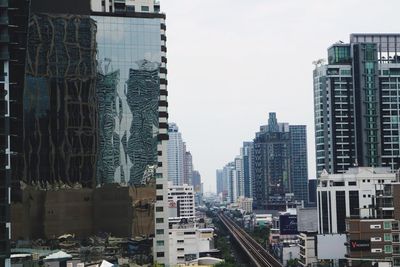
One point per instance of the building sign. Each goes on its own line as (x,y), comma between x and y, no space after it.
(359,245)
(288,225)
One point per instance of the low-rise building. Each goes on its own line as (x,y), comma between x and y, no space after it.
(245,204)
(187,242)
(308,249)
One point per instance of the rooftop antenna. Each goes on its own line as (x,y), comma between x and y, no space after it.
(318,62)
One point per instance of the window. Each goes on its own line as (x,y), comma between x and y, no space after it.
(388,249)
(180,249)
(387,225)
(181,241)
(160,242)
(160,198)
(145,9)
(159,209)
(159,186)
(160,254)
(160,231)
(375,226)
(159,220)
(388,237)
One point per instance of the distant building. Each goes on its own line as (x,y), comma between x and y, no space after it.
(356,105)
(176,155)
(239,175)
(280,164)
(245,204)
(247,152)
(187,168)
(181,201)
(196,181)
(220,182)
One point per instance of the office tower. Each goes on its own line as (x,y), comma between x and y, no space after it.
(298,161)
(277,151)
(196,182)
(132,86)
(95,99)
(13,28)
(247,152)
(175,155)
(187,168)
(355,104)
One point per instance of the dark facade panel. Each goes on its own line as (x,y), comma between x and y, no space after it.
(78,7)
(60,108)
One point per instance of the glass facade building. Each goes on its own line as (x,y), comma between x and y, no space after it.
(59,101)
(128,90)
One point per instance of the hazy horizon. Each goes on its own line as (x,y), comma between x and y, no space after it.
(230,63)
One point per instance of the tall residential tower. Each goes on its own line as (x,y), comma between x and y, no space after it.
(356,104)
(280,164)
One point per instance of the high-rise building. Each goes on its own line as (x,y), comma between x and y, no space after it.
(196,182)
(220,182)
(188,168)
(356,106)
(176,155)
(132,95)
(239,175)
(278,151)
(298,162)
(229,183)
(94,102)
(247,152)
(13,36)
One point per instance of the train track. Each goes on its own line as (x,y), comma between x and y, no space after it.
(259,256)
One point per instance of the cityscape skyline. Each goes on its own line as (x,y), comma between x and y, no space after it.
(247,26)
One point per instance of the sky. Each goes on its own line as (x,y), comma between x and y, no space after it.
(232,62)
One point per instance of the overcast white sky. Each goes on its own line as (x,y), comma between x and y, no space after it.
(231,62)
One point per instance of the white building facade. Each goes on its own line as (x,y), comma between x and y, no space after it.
(176,154)
(187,242)
(348,195)
(181,201)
